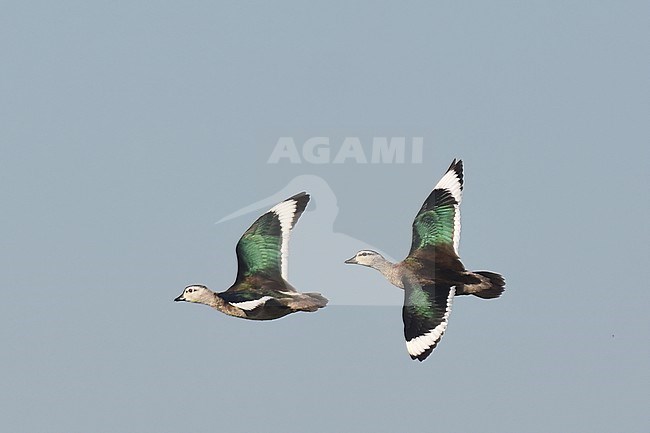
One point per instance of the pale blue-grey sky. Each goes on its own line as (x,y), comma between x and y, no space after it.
(130,128)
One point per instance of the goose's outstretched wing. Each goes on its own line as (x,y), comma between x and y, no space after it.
(425,313)
(437,224)
(264,247)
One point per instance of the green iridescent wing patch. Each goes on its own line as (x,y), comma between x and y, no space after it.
(264,247)
(425,314)
(259,249)
(438,221)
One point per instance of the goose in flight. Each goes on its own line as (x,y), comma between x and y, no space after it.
(261,290)
(432,273)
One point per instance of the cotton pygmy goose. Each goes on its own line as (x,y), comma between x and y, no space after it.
(432,273)
(261,290)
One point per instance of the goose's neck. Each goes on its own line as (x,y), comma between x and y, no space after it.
(217,303)
(389,270)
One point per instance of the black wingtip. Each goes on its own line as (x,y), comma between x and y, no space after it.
(457,166)
(301,199)
(298,196)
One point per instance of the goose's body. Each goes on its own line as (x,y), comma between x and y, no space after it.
(261,290)
(432,274)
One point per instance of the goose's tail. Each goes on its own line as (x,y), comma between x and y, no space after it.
(318,300)
(308,302)
(491,285)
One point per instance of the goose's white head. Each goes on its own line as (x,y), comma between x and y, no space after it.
(366,258)
(195,293)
